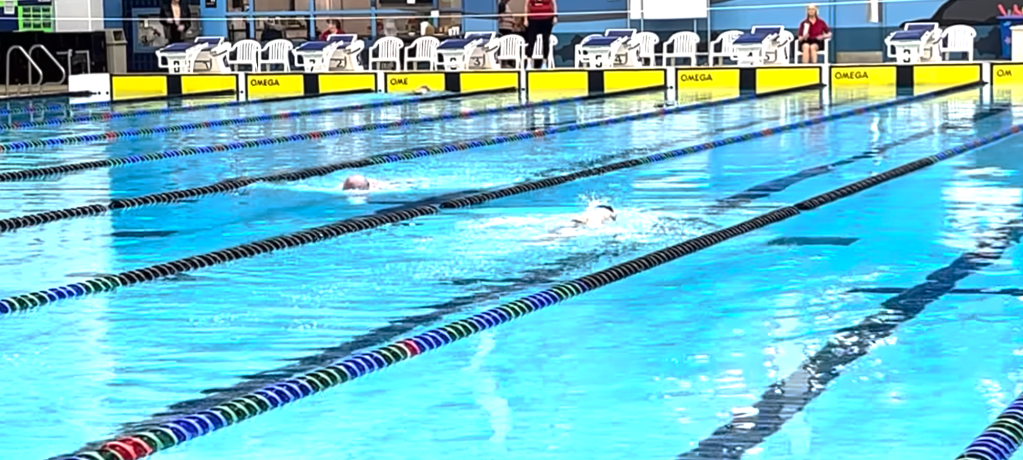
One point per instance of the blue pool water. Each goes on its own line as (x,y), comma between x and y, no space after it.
(645,368)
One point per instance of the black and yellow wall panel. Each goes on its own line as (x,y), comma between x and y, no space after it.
(544,84)
(470,82)
(410,81)
(944,74)
(707,79)
(927,76)
(616,81)
(204,84)
(127,87)
(455,82)
(769,79)
(862,75)
(275,85)
(550,84)
(1006,74)
(335,83)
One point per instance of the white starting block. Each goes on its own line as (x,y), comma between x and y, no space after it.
(339,53)
(182,57)
(916,42)
(608,50)
(476,50)
(762,45)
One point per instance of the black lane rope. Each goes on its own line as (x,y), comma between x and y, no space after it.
(151,439)
(55,122)
(334,230)
(185,127)
(33,173)
(31,220)
(789,396)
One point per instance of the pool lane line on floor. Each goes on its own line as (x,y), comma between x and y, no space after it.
(1014,292)
(782,400)
(56,122)
(403,213)
(226,185)
(149,440)
(32,173)
(506,286)
(767,188)
(131,133)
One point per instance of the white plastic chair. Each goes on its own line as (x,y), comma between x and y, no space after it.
(246,53)
(580,57)
(823,52)
(278,52)
(682,45)
(424,49)
(511,48)
(455,31)
(647,48)
(388,50)
(785,43)
(958,39)
(725,39)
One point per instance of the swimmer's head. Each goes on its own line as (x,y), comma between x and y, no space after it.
(423,90)
(606,212)
(356,182)
(596,216)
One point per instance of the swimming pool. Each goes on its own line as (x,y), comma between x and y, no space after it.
(648,367)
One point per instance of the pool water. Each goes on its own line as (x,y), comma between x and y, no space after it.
(648,367)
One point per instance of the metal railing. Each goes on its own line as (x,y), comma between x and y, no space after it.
(63,71)
(32,64)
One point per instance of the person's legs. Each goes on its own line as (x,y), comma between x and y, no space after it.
(812,49)
(546,29)
(531,32)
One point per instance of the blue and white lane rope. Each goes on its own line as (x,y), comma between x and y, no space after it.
(32,173)
(235,183)
(146,441)
(55,122)
(17,146)
(333,230)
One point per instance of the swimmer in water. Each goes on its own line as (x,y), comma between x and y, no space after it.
(595,216)
(422,90)
(358,182)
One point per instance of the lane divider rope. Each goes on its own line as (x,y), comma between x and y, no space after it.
(17,146)
(60,107)
(31,220)
(333,230)
(103,104)
(33,173)
(54,122)
(145,441)
(1001,439)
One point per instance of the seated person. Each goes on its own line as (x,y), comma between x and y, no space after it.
(812,33)
(333,28)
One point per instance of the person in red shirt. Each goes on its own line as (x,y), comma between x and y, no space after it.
(812,33)
(541,15)
(333,27)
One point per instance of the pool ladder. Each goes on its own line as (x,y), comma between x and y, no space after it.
(31,65)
